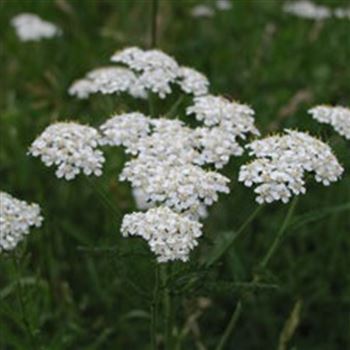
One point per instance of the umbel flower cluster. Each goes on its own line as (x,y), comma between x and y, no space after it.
(168,169)
(282,162)
(16,218)
(71,147)
(30,27)
(309,10)
(338,117)
(141,72)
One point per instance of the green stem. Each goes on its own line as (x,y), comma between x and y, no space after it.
(279,236)
(173,109)
(153,41)
(20,296)
(231,325)
(151,109)
(167,308)
(238,310)
(235,236)
(154,308)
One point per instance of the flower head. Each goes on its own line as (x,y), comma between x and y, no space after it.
(170,236)
(281,163)
(202,11)
(107,80)
(338,117)
(217,145)
(193,82)
(218,111)
(16,218)
(30,27)
(307,9)
(183,188)
(71,147)
(126,130)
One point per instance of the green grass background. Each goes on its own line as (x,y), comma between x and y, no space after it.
(87,288)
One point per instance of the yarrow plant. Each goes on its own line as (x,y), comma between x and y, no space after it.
(169,161)
(281,163)
(30,27)
(338,117)
(16,219)
(173,166)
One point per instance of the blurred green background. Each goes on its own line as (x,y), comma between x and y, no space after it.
(87,288)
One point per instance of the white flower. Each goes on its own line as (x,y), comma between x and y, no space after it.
(126,130)
(338,117)
(141,200)
(202,11)
(107,80)
(147,71)
(193,82)
(16,218)
(216,110)
(183,188)
(307,9)
(282,162)
(145,60)
(157,70)
(71,147)
(342,13)
(223,5)
(30,27)
(169,141)
(217,145)
(170,236)
(83,88)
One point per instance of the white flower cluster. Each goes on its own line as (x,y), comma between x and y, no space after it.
(282,162)
(30,27)
(146,70)
(171,236)
(184,188)
(225,122)
(71,147)
(338,117)
(107,80)
(166,171)
(125,130)
(310,10)
(16,218)
(203,10)
(166,174)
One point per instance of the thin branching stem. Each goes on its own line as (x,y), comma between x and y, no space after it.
(280,234)
(238,233)
(154,308)
(167,308)
(154,23)
(231,325)
(22,304)
(239,307)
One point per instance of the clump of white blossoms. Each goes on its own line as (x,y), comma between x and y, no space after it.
(108,80)
(142,71)
(338,117)
(30,27)
(72,147)
(309,10)
(170,236)
(166,169)
(184,188)
(16,219)
(282,162)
